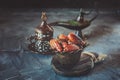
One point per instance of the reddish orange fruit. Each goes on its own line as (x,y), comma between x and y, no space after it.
(64,44)
(71,47)
(63,37)
(73,38)
(54,43)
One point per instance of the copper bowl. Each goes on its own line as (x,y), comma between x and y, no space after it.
(68,60)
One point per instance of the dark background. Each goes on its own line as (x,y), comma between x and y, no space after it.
(59,3)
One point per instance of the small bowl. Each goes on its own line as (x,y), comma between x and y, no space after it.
(68,60)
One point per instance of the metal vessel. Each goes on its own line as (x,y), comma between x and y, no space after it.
(78,24)
(43,33)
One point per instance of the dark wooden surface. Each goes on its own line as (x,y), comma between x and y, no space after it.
(18,63)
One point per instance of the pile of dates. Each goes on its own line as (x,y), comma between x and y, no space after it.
(67,43)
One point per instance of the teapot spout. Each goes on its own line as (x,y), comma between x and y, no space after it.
(94,17)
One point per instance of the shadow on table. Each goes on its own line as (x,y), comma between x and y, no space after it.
(99,31)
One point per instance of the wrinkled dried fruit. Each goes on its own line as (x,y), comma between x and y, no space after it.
(54,43)
(64,44)
(67,43)
(63,37)
(73,38)
(71,47)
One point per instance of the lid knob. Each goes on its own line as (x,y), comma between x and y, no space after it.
(44,16)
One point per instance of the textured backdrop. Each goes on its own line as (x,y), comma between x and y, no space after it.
(18,63)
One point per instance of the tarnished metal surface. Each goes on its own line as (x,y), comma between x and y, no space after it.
(18,63)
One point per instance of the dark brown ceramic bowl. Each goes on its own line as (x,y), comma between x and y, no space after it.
(68,60)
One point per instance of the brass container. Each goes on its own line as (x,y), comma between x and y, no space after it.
(68,60)
(43,34)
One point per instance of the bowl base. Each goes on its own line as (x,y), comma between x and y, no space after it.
(84,66)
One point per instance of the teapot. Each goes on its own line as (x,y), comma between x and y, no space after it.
(79,24)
